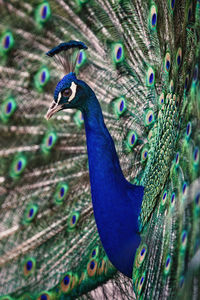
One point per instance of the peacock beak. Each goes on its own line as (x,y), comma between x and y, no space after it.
(53,109)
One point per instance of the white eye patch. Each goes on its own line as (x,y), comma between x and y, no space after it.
(59,96)
(73,88)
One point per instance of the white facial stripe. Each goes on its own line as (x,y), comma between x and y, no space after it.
(59,96)
(73,88)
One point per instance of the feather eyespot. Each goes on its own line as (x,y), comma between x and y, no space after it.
(44,76)
(30,213)
(92,267)
(167,62)
(120,106)
(66,282)
(172,4)
(8,108)
(144,154)
(164,197)
(179,57)
(141,283)
(49,141)
(167,265)
(142,251)
(150,77)
(45,11)
(196,155)
(41,78)
(153,17)
(184,189)
(29,266)
(117,52)
(61,192)
(149,117)
(42,13)
(66,93)
(45,296)
(177,159)
(188,130)
(131,139)
(73,220)
(183,240)
(94,253)
(80,58)
(173,197)
(18,166)
(6,42)
(161,100)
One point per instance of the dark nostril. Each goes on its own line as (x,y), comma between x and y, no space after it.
(53,105)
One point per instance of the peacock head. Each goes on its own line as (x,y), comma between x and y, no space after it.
(69,92)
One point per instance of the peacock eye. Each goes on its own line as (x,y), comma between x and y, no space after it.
(66,93)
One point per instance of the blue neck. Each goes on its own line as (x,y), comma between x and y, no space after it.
(116,202)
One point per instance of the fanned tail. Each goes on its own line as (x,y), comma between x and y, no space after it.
(143,64)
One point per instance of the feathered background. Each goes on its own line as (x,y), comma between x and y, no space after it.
(143,64)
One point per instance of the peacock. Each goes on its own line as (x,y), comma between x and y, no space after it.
(99,149)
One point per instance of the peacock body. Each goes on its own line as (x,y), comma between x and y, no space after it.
(142,64)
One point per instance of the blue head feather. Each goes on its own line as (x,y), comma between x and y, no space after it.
(64,83)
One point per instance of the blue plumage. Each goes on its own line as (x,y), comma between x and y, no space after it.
(116,202)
